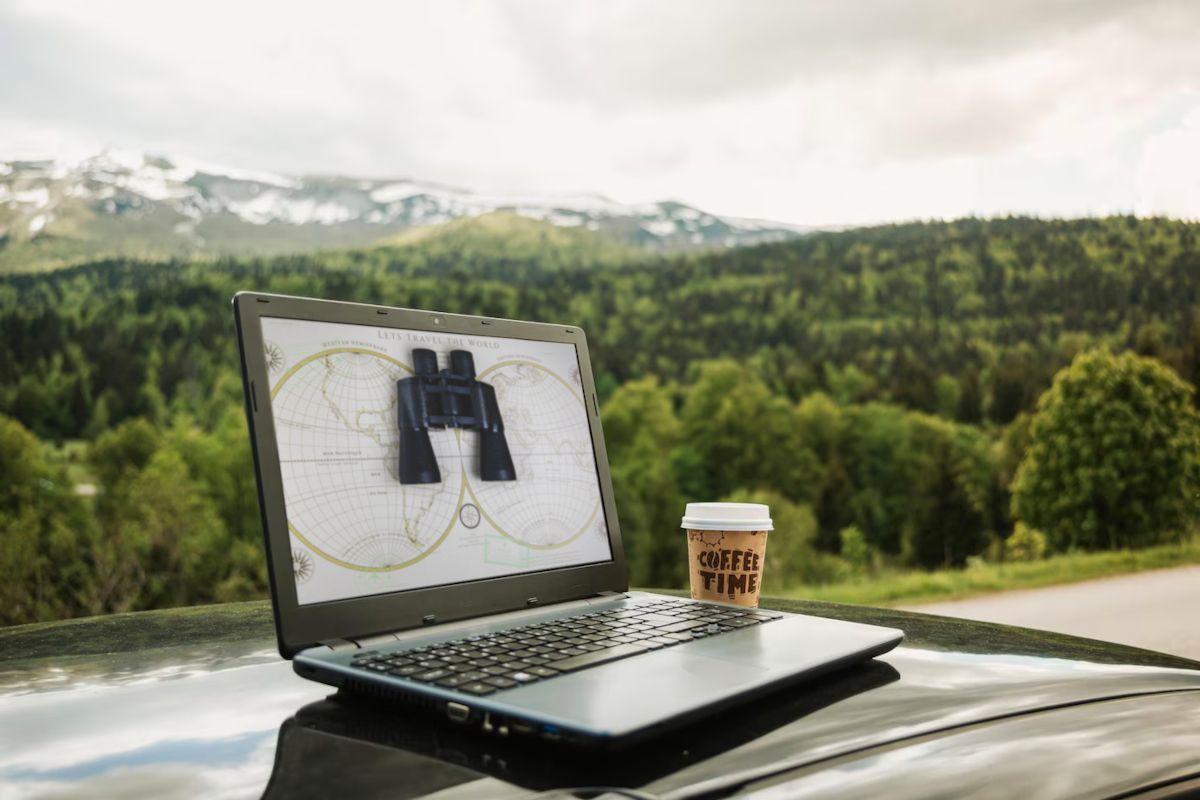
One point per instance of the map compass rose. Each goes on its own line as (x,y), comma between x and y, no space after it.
(469,515)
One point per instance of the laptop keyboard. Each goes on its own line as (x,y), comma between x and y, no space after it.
(493,662)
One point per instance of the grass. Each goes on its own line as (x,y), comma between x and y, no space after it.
(913,588)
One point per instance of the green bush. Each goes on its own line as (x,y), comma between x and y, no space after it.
(1024,544)
(1114,456)
(855,550)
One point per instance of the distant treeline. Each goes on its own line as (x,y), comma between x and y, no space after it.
(873,384)
(967,319)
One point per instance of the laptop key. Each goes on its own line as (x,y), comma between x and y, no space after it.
(574,651)
(477,687)
(543,672)
(433,675)
(475,675)
(598,657)
(536,661)
(522,677)
(662,640)
(461,667)
(500,682)
(739,622)
(452,682)
(683,626)
(431,664)
(511,665)
(406,671)
(496,670)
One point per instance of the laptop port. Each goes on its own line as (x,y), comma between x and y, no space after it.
(458,712)
(522,728)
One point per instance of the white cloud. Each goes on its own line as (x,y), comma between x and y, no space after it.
(1168,173)
(807,112)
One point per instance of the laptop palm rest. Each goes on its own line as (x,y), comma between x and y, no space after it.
(626,696)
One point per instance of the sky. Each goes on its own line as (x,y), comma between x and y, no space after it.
(812,112)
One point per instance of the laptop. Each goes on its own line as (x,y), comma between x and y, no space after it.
(441,532)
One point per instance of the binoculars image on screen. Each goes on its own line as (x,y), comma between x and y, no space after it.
(450,398)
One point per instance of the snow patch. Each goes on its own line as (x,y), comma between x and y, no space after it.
(193,167)
(660,227)
(395,192)
(463,203)
(39,196)
(273,206)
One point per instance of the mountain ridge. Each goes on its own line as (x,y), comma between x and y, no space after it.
(58,211)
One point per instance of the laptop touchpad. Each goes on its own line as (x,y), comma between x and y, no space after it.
(717,669)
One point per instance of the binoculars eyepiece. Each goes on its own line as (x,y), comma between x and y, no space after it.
(450,398)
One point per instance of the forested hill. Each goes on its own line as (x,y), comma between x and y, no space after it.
(968,319)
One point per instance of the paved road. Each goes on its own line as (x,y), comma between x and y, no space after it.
(1158,610)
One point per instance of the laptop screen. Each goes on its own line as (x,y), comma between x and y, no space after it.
(413,459)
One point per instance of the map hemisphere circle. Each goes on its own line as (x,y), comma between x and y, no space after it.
(371,431)
(513,430)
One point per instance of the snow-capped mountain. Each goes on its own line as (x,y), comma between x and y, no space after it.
(177,205)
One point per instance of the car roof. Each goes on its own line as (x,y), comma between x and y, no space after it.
(196,686)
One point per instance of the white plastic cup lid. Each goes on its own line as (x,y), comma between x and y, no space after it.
(727,517)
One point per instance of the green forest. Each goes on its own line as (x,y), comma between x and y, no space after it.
(891,392)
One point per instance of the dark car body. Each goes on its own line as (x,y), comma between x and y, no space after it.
(197,702)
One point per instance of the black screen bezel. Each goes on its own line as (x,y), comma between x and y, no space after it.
(301,626)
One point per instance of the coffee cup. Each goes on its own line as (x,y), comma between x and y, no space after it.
(727,545)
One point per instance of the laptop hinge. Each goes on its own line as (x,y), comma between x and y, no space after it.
(510,616)
(604,597)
